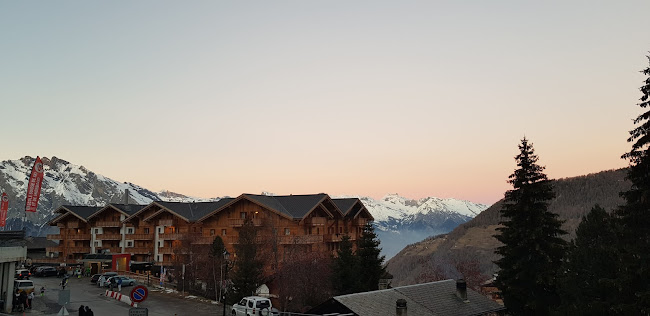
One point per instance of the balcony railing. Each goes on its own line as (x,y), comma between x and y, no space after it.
(359,222)
(316,221)
(112,249)
(54,249)
(139,250)
(51,260)
(54,237)
(235,239)
(166,250)
(300,239)
(78,249)
(239,222)
(79,236)
(108,237)
(333,237)
(139,236)
(108,224)
(202,240)
(171,236)
(73,225)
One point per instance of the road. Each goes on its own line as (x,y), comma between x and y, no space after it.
(82,292)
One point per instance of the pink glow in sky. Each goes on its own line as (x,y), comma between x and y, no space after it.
(420,98)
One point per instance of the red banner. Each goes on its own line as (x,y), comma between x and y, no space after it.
(34,186)
(4,206)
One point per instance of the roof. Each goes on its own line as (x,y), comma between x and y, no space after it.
(82,212)
(294,206)
(39,243)
(193,211)
(427,299)
(126,209)
(345,205)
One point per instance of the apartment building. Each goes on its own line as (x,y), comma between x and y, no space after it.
(161,231)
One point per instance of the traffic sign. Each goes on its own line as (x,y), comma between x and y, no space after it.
(139,293)
(138,311)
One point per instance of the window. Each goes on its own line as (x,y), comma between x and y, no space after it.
(250,304)
(146,230)
(96,231)
(223,232)
(97,244)
(130,230)
(129,244)
(340,230)
(194,229)
(212,232)
(161,230)
(242,215)
(287,231)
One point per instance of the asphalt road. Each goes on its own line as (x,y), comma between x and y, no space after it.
(82,292)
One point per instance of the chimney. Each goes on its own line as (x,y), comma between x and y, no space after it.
(126,196)
(461,290)
(400,307)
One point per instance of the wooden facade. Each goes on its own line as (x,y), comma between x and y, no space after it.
(161,231)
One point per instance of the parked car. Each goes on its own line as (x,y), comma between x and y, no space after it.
(252,306)
(22,274)
(26,286)
(126,281)
(45,271)
(103,278)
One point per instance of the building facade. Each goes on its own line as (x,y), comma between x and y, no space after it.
(161,232)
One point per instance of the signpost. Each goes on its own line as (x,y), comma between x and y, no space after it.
(139,294)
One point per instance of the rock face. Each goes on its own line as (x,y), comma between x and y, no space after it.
(474,239)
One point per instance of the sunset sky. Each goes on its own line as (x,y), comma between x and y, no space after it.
(420,98)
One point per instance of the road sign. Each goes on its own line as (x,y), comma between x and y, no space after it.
(138,311)
(139,293)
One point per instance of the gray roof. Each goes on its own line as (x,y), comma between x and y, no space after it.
(82,211)
(194,211)
(345,205)
(39,243)
(435,299)
(128,209)
(295,206)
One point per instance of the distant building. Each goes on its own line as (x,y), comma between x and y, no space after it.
(448,298)
(37,250)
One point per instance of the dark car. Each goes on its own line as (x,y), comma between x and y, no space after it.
(95,278)
(45,271)
(22,274)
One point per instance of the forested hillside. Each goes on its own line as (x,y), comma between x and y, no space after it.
(471,245)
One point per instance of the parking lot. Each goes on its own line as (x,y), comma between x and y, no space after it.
(82,292)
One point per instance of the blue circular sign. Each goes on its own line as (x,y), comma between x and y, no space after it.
(139,293)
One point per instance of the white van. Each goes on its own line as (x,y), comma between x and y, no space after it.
(26,286)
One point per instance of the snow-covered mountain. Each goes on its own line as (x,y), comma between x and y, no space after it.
(399,221)
(66,183)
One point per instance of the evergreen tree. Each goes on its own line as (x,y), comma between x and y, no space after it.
(217,251)
(532,248)
(345,276)
(587,283)
(371,267)
(634,260)
(248,273)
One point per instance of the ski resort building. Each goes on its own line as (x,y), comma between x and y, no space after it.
(161,232)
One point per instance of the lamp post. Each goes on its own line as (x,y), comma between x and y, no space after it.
(226,256)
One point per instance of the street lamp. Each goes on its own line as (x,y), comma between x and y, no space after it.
(226,256)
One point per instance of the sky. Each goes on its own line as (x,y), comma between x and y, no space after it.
(419,98)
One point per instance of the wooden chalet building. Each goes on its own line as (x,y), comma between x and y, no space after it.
(162,231)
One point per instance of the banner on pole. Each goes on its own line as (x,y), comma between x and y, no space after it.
(4,206)
(34,186)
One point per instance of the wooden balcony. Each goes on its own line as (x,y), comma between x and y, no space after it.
(166,250)
(300,239)
(79,237)
(333,237)
(50,260)
(108,237)
(171,236)
(235,239)
(165,222)
(139,250)
(73,225)
(359,222)
(139,236)
(54,237)
(78,250)
(202,240)
(315,221)
(54,249)
(108,224)
(239,222)
(60,225)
